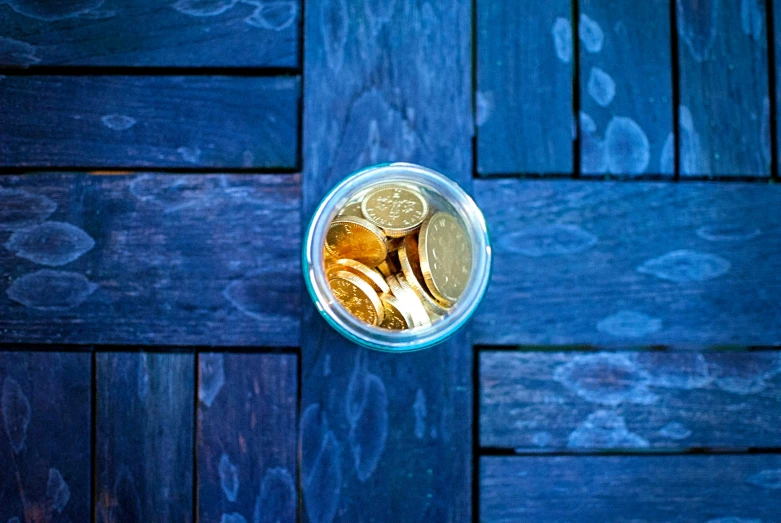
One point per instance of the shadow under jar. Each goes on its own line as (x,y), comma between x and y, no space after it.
(397,257)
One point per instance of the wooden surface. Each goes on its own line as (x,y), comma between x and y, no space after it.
(612,380)
(724,119)
(384,81)
(523,100)
(111,121)
(150,259)
(631,264)
(771,133)
(184,33)
(45,445)
(630,488)
(246,437)
(629,401)
(144,437)
(626,120)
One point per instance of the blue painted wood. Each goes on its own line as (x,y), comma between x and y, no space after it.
(724,120)
(247,446)
(150,259)
(626,120)
(45,405)
(149,121)
(524,87)
(723,488)
(144,437)
(766,135)
(625,264)
(629,401)
(382,435)
(187,33)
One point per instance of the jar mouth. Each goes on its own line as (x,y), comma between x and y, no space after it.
(375,337)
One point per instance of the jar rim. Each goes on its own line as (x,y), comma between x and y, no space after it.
(338,317)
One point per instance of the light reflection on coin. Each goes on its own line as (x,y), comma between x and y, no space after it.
(408,300)
(367,274)
(445,257)
(395,208)
(358,297)
(410,264)
(356,239)
(396,317)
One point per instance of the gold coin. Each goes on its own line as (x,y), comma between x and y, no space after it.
(367,274)
(395,208)
(396,316)
(356,239)
(328,258)
(410,265)
(358,297)
(417,307)
(393,244)
(388,266)
(445,257)
(408,300)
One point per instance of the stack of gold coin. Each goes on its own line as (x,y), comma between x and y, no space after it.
(395,262)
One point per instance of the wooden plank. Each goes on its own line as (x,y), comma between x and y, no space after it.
(247,437)
(626,121)
(724,120)
(115,121)
(569,401)
(144,437)
(150,259)
(45,444)
(726,488)
(621,264)
(524,81)
(775,146)
(186,33)
(385,81)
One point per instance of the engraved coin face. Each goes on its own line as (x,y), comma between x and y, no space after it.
(396,209)
(356,239)
(445,257)
(396,317)
(358,297)
(352,209)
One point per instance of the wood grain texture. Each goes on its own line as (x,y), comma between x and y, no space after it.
(149,121)
(626,121)
(144,437)
(688,489)
(381,434)
(621,264)
(776,13)
(186,33)
(150,259)
(247,437)
(611,401)
(45,442)
(524,87)
(724,120)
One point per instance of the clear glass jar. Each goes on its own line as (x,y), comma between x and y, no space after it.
(443,193)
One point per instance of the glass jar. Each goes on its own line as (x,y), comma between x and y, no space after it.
(444,194)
